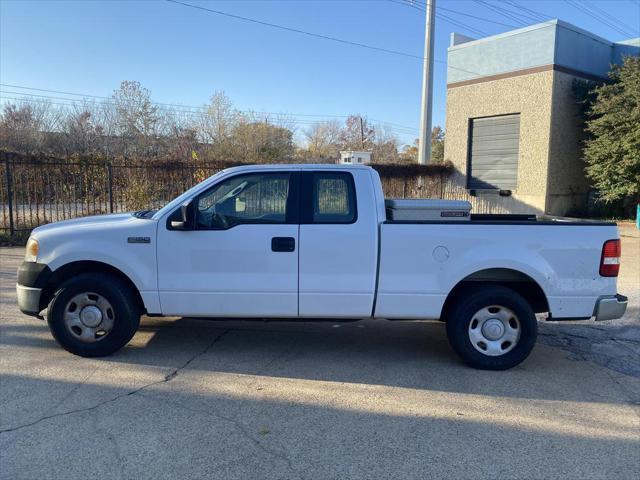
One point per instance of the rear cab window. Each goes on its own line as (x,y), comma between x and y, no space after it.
(330,198)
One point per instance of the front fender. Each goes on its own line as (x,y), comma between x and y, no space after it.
(105,242)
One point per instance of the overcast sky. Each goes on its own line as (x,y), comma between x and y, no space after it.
(184,54)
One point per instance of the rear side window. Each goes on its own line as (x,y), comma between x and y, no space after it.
(333,199)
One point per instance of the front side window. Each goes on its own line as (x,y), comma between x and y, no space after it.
(251,198)
(334,198)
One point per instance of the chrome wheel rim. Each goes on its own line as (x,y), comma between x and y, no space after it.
(89,317)
(494,330)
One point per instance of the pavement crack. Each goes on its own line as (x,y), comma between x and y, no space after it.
(167,378)
(176,371)
(75,388)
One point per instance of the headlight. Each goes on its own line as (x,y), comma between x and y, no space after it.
(31,253)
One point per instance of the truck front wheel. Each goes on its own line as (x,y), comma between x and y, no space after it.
(492,328)
(93,315)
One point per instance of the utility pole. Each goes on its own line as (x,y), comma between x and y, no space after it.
(424,152)
(361,134)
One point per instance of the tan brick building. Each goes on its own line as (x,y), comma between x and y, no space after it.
(512,125)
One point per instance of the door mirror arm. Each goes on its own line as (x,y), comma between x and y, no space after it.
(187,217)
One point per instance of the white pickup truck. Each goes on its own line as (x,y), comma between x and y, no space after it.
(317,242)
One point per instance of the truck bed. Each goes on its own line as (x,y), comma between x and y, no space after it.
(421,261)
(509,219)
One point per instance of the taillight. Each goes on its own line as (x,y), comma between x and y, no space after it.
(610,260)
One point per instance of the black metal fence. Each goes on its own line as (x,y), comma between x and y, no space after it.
(32,194)
(35,193)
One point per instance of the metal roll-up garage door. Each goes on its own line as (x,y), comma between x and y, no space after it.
(493,152)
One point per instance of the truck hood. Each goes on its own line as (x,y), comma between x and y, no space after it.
(97,220)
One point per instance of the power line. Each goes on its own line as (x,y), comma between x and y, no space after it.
(87,95)
(441,16)
(529,15)
(71,102)
(198,109)
(501,11)
(588,8)
(524,12)
(295,30)
(409,3)
(626,26)
(482,19)
(316,35)
(102,97)
(585,9)
(460,24)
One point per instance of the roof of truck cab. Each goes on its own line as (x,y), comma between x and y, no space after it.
(296,166)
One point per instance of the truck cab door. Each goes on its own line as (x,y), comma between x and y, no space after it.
(338,244)
(240,259)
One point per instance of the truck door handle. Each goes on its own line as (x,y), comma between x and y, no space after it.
(283,244)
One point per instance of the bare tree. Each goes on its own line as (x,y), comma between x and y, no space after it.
(178,134)
(219,118)
(136,117)
(262,142)
(79,132)
(24,125)
(130,124)
(357,134)
(217,124)
(323,140)
(385,145)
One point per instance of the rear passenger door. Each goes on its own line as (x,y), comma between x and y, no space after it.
(338,244)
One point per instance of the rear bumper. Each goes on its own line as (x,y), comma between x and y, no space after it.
(610,307)
(29,299)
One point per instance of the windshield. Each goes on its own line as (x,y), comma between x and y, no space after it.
(186,195)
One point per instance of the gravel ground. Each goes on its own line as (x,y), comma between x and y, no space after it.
(370,399)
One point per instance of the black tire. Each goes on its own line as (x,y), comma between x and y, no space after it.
(473,300)
(125,310)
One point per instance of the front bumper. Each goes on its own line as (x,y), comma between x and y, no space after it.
(32,279)
(609,308)
(29,299)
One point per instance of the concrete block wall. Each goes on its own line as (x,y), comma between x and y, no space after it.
(529,71)
(531,97)
(567,184)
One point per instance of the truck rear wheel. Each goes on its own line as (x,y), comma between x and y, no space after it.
(492,328)
(93,315)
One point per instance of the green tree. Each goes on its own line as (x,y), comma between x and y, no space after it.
(612,148)
(409,153)
(437,145)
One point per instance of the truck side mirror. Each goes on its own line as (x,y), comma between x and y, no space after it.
(187,217)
